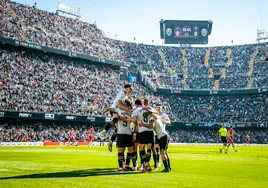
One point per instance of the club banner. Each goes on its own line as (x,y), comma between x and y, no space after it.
(51,116)
(67,143)
(21,143)
(100,120)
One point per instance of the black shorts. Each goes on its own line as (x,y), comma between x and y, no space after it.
(223,139)
(156,140)
(163,142)
(146,137)
(124,140)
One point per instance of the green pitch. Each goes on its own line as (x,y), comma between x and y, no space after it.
(81,167)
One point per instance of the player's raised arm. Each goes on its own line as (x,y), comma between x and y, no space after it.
(106,110)
(131,119)
(134,117)
(121,106)
(167,120)
(148,125)
(155,115)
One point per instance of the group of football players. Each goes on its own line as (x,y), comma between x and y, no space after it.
(139,127)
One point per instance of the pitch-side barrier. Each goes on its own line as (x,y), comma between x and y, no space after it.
(105,143)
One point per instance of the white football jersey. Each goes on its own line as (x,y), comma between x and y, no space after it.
(132,126)
(124,126)
(135,111)
(140,113)
(164,117)
(159,129)
(120,96)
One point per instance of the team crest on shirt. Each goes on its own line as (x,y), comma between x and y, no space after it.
(168,32)
(204,32)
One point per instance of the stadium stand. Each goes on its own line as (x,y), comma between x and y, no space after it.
(40,82)
(211,136)
(219,108)
(198,65)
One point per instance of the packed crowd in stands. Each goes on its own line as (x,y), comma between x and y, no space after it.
(42,83)
(212,136)
(219,108)
(31,81)
(29,24)
(39,132)
(260,75)
(32,25)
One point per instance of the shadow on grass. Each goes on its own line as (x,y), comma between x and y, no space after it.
(75,173)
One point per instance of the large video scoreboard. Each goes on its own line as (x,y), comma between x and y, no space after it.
(185,31)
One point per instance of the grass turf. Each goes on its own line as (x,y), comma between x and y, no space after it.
(192,166)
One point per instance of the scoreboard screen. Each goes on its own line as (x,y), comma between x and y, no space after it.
(185,31)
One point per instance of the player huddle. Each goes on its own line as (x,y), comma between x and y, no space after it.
(139,128)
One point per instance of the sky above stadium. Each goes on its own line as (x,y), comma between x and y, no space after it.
(236,20)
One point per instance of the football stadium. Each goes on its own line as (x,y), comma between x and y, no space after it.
(133,93)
